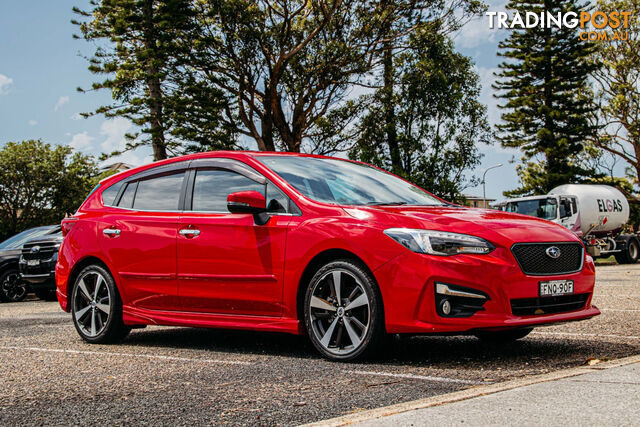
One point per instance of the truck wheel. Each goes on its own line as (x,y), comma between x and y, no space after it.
(631,253)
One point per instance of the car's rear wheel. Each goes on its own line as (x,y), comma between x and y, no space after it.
(503,337)
(343,311)
(12,288)
(96,307)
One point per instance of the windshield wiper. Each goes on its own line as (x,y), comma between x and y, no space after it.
(386,203)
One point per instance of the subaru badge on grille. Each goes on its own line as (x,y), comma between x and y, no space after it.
(35,249)
(553,252)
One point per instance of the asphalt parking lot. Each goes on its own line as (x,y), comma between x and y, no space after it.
(159,375)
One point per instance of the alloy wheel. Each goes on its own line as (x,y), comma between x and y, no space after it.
(13,288)
(92,303)
(339,311)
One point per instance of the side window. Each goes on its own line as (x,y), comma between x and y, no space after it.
(126,200)
(211,188)
(109,195)
(159,193)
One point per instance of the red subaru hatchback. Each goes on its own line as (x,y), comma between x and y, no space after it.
(339,250)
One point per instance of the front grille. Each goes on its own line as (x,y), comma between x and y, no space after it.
(548,305)
(533,259)
(36,270)
(47,250)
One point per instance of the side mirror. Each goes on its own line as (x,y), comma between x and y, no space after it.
(251,202)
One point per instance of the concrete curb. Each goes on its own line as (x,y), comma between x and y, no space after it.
(472,392)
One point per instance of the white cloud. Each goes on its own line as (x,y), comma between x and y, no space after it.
(32,122)
(61,101)
(76,116)
(5,82)
(488,78)
(81,141)
(477,32)
(114,131)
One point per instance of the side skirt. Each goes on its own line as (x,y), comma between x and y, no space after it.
(138,316)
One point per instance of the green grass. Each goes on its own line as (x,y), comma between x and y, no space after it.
(606,261)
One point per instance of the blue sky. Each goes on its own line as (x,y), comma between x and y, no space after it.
(42,65)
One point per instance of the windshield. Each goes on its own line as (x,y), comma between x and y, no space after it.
(541,208)
(19,239)
(345,183)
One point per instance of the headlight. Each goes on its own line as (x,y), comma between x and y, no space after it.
(439,242)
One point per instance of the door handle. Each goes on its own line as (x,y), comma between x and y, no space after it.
(189,232)
(111,232)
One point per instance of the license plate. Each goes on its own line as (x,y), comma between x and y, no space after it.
(33,262)
(553,288)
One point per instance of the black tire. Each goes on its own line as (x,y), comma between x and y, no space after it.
(631,252)
(97,316)
(502,337)
(362,325)
(46,294)
(12,288)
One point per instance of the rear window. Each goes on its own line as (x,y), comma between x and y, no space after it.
(109,195)
(160,193)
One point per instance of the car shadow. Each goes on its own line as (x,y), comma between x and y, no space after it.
(443,351)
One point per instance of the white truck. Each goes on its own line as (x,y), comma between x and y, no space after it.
(596,213)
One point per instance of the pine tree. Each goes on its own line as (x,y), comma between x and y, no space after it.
(140,49)
(425,122)
(544,84)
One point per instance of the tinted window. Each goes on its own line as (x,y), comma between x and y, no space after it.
(541,208)
(109,195)
(126,201)
(159,194)
(211,188)
(18,240)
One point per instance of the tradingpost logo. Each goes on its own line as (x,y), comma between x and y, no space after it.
(595,26)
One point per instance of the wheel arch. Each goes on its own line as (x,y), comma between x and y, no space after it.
(9,264)
(80,265)
(316,263)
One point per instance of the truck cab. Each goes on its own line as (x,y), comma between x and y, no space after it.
(561,209)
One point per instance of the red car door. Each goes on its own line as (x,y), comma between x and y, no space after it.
(138,236)
(226,263)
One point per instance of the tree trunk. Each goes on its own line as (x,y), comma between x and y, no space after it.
(389,109)
(153,85)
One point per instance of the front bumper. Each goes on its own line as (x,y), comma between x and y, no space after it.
(407,284)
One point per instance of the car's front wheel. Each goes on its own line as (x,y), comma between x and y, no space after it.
(12,288)
(96,307)
(343,311)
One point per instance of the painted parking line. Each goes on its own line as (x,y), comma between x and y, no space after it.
(419,377)
(134,355)
(617,295)
(578,335)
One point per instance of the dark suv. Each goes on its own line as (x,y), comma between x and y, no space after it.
(38,264)
(12,288)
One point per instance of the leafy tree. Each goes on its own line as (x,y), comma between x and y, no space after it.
(40,183)
(618,89)
(290,65)
(436,118)
(543,84)
(138,43)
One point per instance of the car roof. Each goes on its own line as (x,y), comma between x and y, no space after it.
(231,154)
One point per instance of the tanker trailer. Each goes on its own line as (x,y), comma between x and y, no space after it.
(596,213)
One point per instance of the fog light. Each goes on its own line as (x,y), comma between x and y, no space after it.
(445,306)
